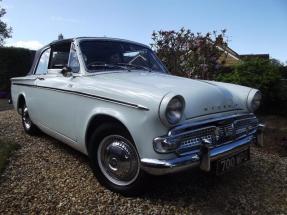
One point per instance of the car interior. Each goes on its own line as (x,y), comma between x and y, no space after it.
(59,55)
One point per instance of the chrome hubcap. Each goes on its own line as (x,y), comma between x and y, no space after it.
(26,119)
(118,160)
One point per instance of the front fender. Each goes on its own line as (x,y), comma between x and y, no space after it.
(143,126)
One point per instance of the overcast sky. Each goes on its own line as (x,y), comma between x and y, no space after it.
(253,27)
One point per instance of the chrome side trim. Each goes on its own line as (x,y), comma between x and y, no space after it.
(162,167)
(140,107)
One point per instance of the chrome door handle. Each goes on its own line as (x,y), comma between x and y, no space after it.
(40,78)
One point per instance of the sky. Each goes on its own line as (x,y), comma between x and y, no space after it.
(253,27)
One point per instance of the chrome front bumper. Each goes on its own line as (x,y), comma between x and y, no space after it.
(201,159)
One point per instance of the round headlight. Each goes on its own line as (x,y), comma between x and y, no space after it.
(174,110)
(254,100)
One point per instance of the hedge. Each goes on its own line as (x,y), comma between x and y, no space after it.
(265,75)
(14,62)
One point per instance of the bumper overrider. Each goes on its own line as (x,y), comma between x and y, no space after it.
(200,143)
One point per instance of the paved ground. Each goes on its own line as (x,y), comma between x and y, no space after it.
(47,177)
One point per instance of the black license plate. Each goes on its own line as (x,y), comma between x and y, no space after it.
(228,163)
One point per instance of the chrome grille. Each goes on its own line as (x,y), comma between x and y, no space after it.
(226,133)
(245,125)
(195,137)
(219,132)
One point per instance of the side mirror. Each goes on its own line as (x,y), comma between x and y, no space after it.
(67,71)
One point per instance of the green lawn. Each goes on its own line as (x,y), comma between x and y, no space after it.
(6,150)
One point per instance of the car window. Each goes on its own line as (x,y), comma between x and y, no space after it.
(59,56)
(59,59)
(101,55)
(43,63)
(73,60)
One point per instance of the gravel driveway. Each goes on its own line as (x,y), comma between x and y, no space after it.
(47,177)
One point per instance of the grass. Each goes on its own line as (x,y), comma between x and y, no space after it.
(6,150)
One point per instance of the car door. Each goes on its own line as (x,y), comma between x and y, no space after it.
(32,94)
(56,100)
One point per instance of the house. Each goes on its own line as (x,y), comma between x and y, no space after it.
(230,57)
(254,56)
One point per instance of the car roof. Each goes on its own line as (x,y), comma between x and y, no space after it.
(110,39)
(55,42)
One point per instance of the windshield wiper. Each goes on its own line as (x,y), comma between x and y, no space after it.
(94,65)
(135,66)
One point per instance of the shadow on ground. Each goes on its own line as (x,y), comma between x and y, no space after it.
(4,105)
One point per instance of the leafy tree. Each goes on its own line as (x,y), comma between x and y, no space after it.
(191,55)
(5,31)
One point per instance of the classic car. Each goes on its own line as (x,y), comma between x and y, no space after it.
(114,101)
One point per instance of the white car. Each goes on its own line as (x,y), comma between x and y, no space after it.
(114,101)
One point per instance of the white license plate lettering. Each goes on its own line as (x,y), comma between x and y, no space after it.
(231,162)
(228,163)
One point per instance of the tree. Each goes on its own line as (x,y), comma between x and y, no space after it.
(5,31)
(190,55)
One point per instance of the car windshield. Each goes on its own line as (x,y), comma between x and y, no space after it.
(101,55)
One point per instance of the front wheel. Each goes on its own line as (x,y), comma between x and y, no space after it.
(115,161)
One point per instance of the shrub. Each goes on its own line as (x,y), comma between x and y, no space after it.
(13,62)
(261,74)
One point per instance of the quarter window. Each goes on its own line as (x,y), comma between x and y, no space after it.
(73,60)
(43,63)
